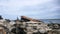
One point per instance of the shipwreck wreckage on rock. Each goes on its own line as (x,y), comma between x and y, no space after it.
(24,26)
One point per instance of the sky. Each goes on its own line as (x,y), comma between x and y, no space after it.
(37,9)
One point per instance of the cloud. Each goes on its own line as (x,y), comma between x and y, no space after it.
(18,3)
(32,8)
